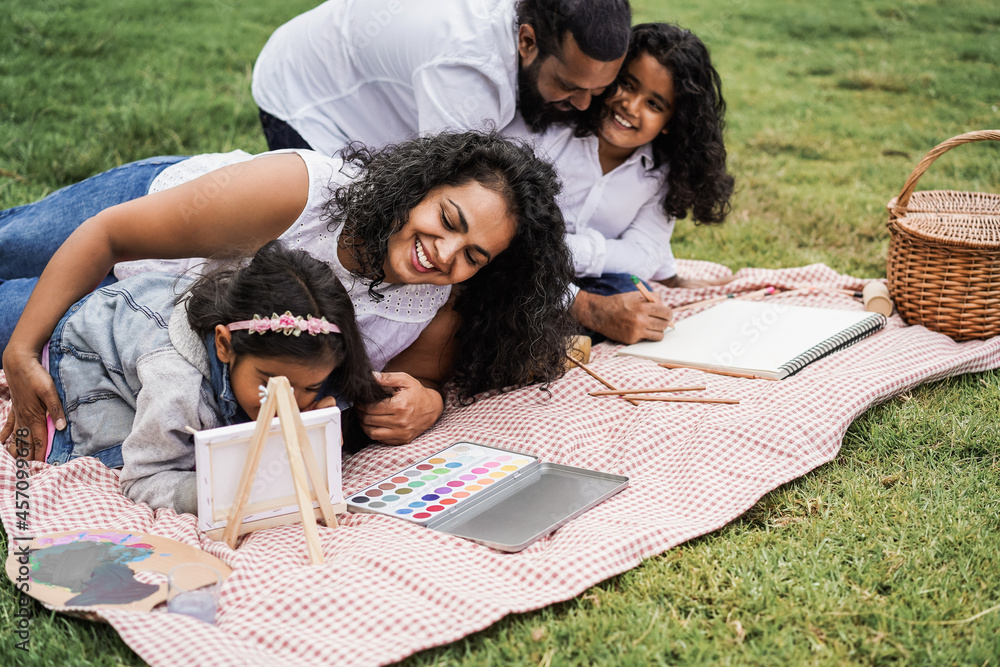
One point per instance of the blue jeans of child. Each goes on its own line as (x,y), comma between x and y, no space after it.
(608,284)
(30,234)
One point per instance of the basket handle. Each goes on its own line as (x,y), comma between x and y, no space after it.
(899,209)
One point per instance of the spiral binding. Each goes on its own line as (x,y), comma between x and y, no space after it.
(845,338)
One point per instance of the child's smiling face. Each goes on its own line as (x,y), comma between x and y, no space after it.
(641,107)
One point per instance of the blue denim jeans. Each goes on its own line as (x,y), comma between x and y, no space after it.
(30,234)
(280,134)
(608,284)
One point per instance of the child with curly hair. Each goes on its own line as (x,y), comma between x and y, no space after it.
(651,153)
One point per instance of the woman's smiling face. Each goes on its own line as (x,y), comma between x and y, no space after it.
(451,234)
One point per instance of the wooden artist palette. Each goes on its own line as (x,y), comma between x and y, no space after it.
(98,568)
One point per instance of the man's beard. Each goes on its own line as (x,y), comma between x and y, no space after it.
(538,114)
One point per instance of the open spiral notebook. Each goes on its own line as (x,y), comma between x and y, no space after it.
(766,339)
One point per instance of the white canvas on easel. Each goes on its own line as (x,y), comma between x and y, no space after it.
(220,455)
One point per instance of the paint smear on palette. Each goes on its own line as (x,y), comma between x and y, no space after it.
(440,483)
(93,565)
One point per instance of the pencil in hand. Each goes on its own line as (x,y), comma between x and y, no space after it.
(643,290)
(651,298)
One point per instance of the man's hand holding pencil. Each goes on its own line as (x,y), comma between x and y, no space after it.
(629,317)
(652,298)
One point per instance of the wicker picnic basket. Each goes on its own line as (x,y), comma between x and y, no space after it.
(944,253)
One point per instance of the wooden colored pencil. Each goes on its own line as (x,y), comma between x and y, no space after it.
(652,299)
(682,399)
(598,378)
(620,392)
(732,374)
(817,289)
(642,290)
(749,295)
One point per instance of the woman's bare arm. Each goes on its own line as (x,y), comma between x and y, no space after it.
(415,375)
(231,211)
(431,357)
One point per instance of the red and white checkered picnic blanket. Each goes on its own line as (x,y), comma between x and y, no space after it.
(390,588)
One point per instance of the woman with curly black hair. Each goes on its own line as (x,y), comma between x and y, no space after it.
(650,153)
(512,308)
(399,226)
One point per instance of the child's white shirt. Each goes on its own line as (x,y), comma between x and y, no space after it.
(615,222)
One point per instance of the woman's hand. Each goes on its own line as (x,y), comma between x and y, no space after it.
(32,395)
(410,411)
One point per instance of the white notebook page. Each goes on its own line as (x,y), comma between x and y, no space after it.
(747,336)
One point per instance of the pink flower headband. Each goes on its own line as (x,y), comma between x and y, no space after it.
(288,324)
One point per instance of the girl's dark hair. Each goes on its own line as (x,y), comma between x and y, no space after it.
(277,279)
(514,312)
(692,148)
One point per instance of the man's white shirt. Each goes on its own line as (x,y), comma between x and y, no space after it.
(384,71)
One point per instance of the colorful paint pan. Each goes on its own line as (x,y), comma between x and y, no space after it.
(440,483)
(498,498)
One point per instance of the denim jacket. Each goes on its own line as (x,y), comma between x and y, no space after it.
(131,375)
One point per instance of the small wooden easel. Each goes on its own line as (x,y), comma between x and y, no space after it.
(280,402)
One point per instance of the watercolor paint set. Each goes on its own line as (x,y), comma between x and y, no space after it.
(499,498)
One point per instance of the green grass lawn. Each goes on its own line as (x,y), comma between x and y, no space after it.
(888,555)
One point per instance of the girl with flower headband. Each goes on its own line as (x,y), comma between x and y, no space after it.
(135,364)
(400,226)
